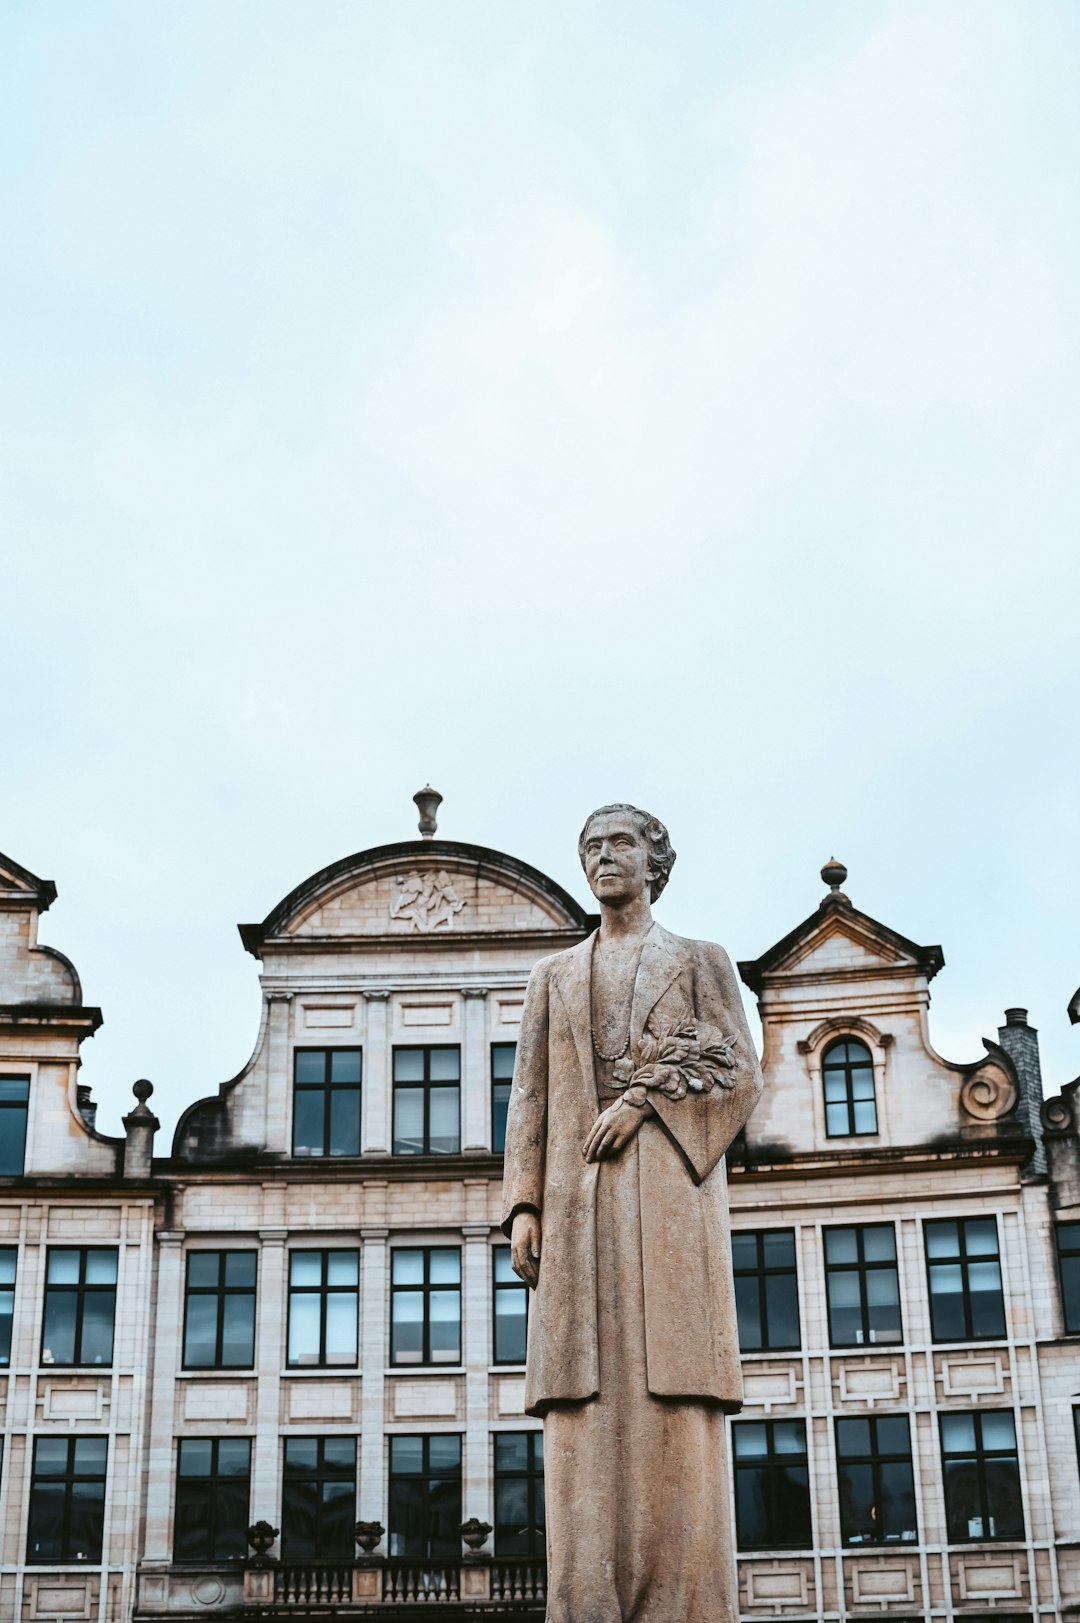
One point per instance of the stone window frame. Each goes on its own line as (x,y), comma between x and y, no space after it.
(980,1455)
(27,1074)
(82,1288)
(324,1473)
(855,1029)
(424,1477)
(327,1087)
(761,1271)
(875,1459)
(425,1288)
(963,1260)
(428,1084)
(220,1291)
(209,1496)
(774,1460)
(68,1478)
(862,1268)
(325,1289)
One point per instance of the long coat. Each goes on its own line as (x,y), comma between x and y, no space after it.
(691,1332)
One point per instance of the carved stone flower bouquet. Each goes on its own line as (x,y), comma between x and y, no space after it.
(690,1058)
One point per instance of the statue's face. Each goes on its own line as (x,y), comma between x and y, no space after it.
(616,858)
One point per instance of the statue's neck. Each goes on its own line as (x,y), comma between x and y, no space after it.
(627,922)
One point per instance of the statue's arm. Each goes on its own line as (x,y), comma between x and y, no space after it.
(704,1124)
(526,1123)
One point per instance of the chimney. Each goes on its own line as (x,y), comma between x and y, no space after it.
(140,1125)
(1021,1042)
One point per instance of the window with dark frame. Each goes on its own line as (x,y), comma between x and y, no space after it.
(80,1306)
(862,1285)
(847,1073)
(213,1495)
(318,1499)
(502,1075)
(67,1500)
(14,1108)
(772,1485)
(425,1305)
(326,1101)
(8,1261)
(766,1290)
(219,1310)
(876,1480)
(964,1276)
(324,1306)
(425,1496)
(1067,1236)
(510,1309)
(982,1476)
(520,1524)
(427,1100)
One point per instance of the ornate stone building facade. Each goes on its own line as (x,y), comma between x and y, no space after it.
(301,1314)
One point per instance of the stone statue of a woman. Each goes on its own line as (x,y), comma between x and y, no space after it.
(635,1070)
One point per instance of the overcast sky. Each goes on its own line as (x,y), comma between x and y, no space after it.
(671,402)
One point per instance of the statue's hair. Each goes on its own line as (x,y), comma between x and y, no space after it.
(661,856)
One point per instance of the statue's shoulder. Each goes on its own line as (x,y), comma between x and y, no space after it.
(555,961)
(687,949)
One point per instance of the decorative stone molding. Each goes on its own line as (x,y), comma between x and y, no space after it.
(845,1026)
(990,1091)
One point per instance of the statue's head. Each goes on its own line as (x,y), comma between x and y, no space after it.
(623,839)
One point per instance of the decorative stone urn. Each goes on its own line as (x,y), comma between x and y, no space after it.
(368,1535)
(475,1532)
(260,1535)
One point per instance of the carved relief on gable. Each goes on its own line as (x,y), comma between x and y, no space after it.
(428,900)
(421,900)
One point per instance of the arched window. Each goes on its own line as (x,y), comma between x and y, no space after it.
(848,1073)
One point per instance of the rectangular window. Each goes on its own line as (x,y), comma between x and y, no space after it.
(772,1485)
(511,1310)
(520,1527)
(326,1101)
(877,1484)
(213,1491)
(502,1075)
(425,1305)
(14,1104)
(8,1258)
(425,1497)
(427,1101)
(1068,1251)
(80,1306)
(324,1303)
(766,1290)
(219,1310)
(862,1285)
(67,1499)
(964,1273)
(318,1499)
(982,1476)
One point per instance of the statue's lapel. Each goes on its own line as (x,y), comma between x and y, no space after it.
(574,980)
(659,966)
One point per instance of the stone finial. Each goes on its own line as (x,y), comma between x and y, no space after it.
(368,1535)
(428,801)
(140,1125)
(834,873)
(475,1532)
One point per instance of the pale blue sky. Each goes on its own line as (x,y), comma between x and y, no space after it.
(668,402)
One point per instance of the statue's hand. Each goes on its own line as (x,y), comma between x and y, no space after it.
(612,1129)
(525,1248)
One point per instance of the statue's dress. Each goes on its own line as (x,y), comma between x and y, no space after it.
(636,1484)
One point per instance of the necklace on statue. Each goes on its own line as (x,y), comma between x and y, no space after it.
(611,1058)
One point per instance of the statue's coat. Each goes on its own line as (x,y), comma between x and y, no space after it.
(692,1342)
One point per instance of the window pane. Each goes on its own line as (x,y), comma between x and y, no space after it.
(50,1456)
(345,1065)
(942,1240)
(304,1329)
(845,1309)
(444,1454)
(841,1246)
(407,1329)
(748,1309)
(858,1508)
(14,1090)
(408,1121)
(86,1521)
(300,1520)
(90,1454)
(1004,1503)
(234,1456)
(836,1121)
(339,1454)
(408,1267)
(445,1065)
(963,1504)
(512,1451)
(406,1454)
(408,1064)
(204,1268)
(778,1248)
(998,1430)
(852,1438)
(7,1264)
(101,1267)
(500,1105)
(309,1118)
(200,1339)
(958,1433)
(502,1060)
(231,1519)
(238,1332)
(897,1523)
(12,1140)
(445,1135)
(195,1456)
(407,1499)
(879,1244)
(341,1328)
(345,1121)
(504,1268)
(445,1329)
(750,1439)
(987,1304)
(63,1268)
(789,1437)
(980,1237)
(58,1335)
(240,1268)
(947,1302)
(305,1268)
(310,1064)
(445,1266)
(782,1305)
(510,1323)
(835,1087)
(44,1538)
(744,1250)
(865,1116)
(342,1268)
(7,1313)
(99,1309)
(1070,1290)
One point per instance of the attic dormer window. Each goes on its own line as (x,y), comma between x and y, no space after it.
(848,1073)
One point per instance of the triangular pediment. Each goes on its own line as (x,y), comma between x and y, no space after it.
(19,885)
(839,940)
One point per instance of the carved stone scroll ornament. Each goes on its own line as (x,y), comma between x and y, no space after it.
(427,900)
(990,1092)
